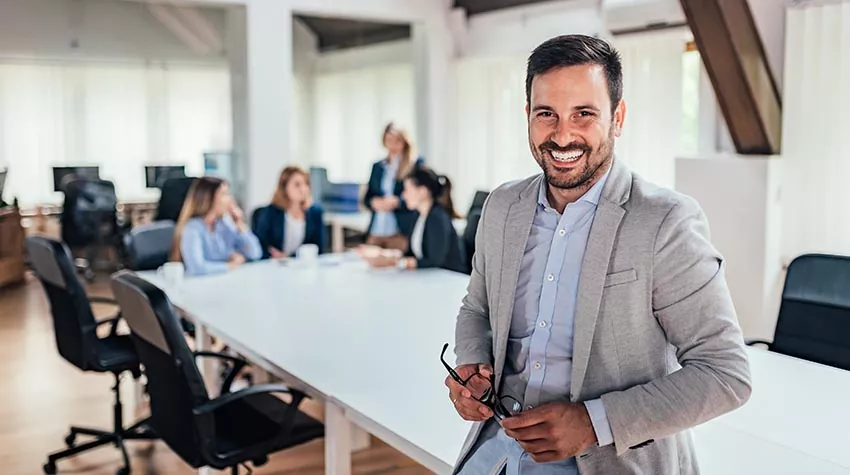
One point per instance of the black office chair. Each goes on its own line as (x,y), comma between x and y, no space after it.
(469,233)
(174,192)
(222,433)
(814,316)
(76,337)
(478,202)
(90,220)
(149,245)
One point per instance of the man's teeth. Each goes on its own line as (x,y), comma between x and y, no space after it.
(570,156)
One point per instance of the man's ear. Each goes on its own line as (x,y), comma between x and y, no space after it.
(619,118)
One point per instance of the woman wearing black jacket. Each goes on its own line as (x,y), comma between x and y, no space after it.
(433,241)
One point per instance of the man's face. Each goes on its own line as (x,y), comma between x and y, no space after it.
(571,129)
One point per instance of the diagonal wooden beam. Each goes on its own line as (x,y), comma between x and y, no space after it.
(733,54)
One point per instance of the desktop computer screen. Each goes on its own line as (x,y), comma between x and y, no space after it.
(62,175)
(156,175)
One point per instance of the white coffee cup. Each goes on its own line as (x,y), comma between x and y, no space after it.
(307,252)
(171,272)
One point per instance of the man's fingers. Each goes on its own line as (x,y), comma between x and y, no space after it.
(548,456)
(527,434)
(529,418)
(540,446)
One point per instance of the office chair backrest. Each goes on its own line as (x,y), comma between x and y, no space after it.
(478,202)
(89,205)
(814,317)
(174,192)
(469,233)
(174,382)
(74,324)
(149,245)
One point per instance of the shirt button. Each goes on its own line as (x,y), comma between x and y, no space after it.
(543,324)
(562,232)
(537,365)
(550,277)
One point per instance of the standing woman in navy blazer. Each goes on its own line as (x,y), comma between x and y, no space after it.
(392,221)
(291,219)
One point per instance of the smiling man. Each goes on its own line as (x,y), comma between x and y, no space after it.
(597,305)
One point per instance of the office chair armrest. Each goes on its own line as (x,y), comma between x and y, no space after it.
(238,364)
(113,320)
(103,300)
(221,401)
(756,341)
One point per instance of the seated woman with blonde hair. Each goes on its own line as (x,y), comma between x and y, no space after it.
(291,220)
(211,236)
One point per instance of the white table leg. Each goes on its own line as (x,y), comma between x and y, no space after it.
(206,366)
(337,441)
(337,237)
(138,395)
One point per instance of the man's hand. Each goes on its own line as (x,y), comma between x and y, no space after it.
(276,253)
(379,203)
(392,202)
(465,405)
(552,432)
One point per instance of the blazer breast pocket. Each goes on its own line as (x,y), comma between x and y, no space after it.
(620,278)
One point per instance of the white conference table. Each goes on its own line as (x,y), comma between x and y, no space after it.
(367,343)
(359,221)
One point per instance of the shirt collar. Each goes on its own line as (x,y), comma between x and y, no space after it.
(591,196)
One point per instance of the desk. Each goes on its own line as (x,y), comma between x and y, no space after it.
(360,222)
(378,368)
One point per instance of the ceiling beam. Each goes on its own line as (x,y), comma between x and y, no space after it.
(733,54)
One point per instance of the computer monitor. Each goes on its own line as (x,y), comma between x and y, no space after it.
(62,175)
(156,175)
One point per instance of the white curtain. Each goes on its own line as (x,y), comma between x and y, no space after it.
(815,137)
(118,116)
(350,111)
(652,89)
(491,135)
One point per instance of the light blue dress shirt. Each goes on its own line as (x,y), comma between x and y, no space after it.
(538,366)
(385,223)
(206,251)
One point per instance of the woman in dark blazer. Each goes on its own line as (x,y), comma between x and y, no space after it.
(433,239)
(290,220)
(392,220)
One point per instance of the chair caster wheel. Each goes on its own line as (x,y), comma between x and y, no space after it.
(123,471)
(49,468)
(70,439)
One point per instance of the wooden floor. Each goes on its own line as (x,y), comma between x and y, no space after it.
(41,395)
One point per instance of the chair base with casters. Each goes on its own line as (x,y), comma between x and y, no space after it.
(117,436)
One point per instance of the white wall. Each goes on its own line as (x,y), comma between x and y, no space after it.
(381,54)
(519,30)
(740,197)
(99,29)
(635,14)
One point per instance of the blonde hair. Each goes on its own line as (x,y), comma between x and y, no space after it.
(407,161)
(199,201)
(280,199)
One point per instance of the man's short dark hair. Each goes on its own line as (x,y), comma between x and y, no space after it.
(577,50)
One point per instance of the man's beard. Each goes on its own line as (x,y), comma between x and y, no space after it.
(594,160)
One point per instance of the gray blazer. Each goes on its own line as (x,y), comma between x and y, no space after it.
(656,336)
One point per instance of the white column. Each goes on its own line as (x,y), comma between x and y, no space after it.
(236,41)
(269,96)
(433,49)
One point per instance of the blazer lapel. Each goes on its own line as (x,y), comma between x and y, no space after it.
(517,228)
(594,268)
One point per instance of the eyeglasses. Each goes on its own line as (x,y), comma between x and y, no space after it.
(482,389)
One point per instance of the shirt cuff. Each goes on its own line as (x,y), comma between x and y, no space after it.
(599,419)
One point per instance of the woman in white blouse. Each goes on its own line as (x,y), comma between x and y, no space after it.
(291,219)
